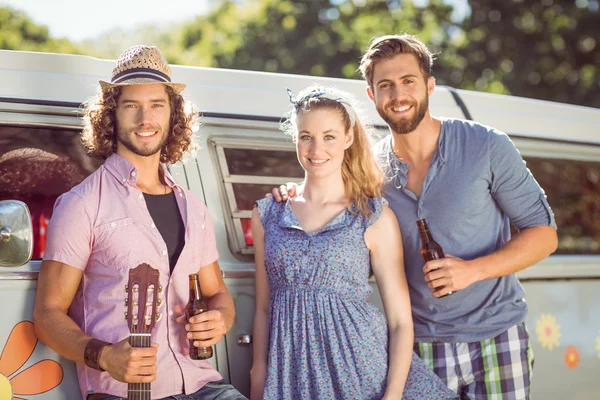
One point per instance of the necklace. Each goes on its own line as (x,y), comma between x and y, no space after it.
(396,153)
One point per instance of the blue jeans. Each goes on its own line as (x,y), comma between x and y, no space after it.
(217,390)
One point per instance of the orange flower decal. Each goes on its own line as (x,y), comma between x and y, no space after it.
(572,357)
(37,379)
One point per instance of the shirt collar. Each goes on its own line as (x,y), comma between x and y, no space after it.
(125,172)
(288,220)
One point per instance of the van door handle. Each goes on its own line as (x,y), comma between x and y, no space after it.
(244,340)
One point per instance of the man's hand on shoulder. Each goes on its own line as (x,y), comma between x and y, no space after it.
(282,192)
(129,364)
(449,274)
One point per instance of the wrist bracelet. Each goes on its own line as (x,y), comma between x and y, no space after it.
(92,353)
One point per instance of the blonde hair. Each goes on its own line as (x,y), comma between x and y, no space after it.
(362,177)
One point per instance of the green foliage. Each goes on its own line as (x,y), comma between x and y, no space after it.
(546,49)
(17,32)
(319,37)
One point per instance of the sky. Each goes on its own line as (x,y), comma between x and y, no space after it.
(79,20)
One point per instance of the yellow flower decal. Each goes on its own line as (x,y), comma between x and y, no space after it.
(548,331)
(37,379)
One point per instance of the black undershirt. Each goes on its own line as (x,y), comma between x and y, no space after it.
(167,218)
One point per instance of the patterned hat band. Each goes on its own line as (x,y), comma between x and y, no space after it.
(140,73)
(324,94)
(139,65)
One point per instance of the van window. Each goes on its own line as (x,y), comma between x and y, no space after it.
(36,166)
(248,171)
(572,187)
(573,190)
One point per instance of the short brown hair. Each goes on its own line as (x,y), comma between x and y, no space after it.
(99,135)
(386,47)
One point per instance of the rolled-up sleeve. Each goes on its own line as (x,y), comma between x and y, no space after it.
(69,232)
(514,188)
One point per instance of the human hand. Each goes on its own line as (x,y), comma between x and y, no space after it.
(205,329)
(282,192)
(129,364)
(447,275)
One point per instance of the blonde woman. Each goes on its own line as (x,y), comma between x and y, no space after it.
(315,334)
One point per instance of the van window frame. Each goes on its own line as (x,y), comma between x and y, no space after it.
(554,267)
(233,224)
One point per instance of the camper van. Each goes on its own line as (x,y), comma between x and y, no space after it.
(243,155)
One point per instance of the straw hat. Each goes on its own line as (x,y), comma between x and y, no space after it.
(141,65)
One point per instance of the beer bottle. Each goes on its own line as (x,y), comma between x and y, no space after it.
(430,249)
(196,305)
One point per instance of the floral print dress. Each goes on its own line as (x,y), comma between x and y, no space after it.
(326,341)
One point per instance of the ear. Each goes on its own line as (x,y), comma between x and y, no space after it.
(295,138)
(370,93)
(349,139)
(430,85)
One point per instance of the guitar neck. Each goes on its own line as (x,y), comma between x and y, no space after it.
(139,391)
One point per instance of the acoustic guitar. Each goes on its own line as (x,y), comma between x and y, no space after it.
(143,291)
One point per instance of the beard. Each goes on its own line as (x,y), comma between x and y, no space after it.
(145,151)
(404,126)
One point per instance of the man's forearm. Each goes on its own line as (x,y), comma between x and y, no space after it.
(59,332)
(526,248)
(222,302)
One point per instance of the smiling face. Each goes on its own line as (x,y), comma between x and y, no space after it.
(401,92)
(321,141)
(142,115)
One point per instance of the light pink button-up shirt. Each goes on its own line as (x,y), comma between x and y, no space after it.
(103,227)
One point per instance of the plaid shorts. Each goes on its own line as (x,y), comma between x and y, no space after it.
(493,369)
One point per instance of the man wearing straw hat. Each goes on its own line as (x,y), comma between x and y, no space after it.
(131,211)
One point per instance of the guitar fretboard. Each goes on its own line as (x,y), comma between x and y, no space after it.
(139,391)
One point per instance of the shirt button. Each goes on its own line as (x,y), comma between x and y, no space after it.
(170,312)
(171,280)
(124,179)
(140,195)
(181,194)
(172,345)
(154,226)
(203,227)
(164,252)
(133,173)
(113,224)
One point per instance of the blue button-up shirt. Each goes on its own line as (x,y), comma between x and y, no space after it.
(476,183)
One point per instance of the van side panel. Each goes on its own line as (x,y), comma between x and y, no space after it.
(29,366)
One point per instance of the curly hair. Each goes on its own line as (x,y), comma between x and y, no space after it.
(99,134)
(361,175)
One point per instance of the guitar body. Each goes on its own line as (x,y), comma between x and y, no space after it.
(142,302)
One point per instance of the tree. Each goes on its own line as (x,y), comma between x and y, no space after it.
(545,49)
(319,37)
(18,32)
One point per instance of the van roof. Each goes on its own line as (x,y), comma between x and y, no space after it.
(66,79)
